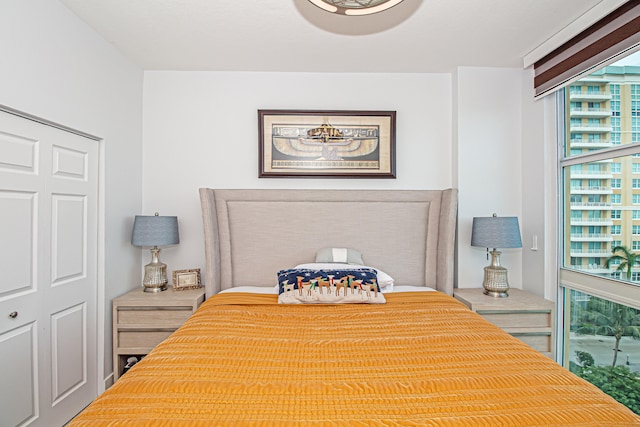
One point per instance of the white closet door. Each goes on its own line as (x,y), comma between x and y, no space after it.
(48,272)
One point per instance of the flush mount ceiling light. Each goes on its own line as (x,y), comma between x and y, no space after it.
(355,7)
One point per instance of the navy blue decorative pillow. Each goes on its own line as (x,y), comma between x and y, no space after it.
(306,286)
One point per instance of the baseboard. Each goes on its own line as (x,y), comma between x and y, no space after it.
(108,382)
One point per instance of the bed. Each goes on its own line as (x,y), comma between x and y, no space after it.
(421,358)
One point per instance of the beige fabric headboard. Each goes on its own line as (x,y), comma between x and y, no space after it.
(252,234)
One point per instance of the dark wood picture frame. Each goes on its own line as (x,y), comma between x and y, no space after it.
(326,144)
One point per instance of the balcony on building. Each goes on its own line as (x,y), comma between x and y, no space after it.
(591,206)
(592,268)
(591,221)
(591,190)
(592,253)
(591,128)
(587,174)
(590,112)
(585,143)
(590,96)
(591,237)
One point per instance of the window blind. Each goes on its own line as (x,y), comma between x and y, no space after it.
(615,33)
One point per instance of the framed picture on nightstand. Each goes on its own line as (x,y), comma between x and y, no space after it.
(186,279)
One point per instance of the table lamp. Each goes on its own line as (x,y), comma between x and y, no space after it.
(154,231)
(496,232)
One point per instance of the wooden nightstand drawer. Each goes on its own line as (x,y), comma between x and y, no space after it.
(518,318)
(540,341)
(153,316)
(141,338)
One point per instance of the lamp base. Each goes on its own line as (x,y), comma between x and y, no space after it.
(495,283)
(496,294)
(155,273)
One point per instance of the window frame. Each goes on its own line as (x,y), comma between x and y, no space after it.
(609,288)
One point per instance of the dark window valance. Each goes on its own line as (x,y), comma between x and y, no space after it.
(616,33)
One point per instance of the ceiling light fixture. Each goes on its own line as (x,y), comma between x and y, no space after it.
(355,7)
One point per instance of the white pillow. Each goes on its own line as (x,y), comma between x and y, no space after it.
(253,289)
(340,255)
(384,280)
(406,288)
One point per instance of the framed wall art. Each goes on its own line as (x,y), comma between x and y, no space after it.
(333,144)
(186,279)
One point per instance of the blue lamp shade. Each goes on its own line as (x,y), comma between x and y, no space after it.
(155,231)
(496,232)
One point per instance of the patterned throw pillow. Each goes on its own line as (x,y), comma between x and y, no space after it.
(385,282)
(307,286)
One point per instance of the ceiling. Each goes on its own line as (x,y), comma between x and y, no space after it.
(295,35)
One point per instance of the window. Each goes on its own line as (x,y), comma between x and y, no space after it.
(594,199)
(611,283)
(593,215)
(597,169)
(615,130)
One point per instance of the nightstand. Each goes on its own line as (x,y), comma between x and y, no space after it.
(523,315)
(141,320)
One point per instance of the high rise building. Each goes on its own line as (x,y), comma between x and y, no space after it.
(604,210)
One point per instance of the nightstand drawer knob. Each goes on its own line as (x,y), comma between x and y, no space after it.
(13,314)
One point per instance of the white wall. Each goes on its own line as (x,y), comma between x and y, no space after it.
(465,130)
(538,189)
(56,68)
(488,110)
(201,130)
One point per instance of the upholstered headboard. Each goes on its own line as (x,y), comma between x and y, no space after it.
(252,234)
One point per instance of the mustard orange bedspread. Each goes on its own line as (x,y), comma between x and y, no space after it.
(422,359)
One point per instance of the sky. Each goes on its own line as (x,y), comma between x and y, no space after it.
(633,59)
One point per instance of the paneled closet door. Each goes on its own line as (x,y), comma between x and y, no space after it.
(48,272)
